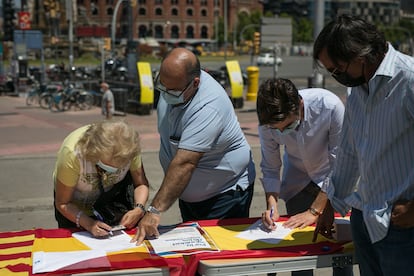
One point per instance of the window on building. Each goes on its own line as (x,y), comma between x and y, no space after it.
(175,32)
(190,32)
(203,2)
(142,31)
(158,11)
(189,12)
(109,11)
(158,2)
(94,8)
(190,2)
(142,1)
(142,11)
(203,12)
(204,32)
(124,30)
(124,12)
(159,31)
(110,2)
(174,12)
(174,2)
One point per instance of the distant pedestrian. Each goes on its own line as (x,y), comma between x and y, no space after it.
(108,101)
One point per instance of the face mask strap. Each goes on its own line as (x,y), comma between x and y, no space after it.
(106,168)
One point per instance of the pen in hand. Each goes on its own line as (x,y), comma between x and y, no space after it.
(100,218)
(272,211)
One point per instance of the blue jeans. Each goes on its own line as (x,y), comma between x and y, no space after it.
(231,204)
(390,256)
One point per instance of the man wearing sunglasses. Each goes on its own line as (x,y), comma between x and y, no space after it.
(374,172)
(305,125)
(206,159)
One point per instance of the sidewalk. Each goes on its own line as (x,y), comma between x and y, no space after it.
(30,138)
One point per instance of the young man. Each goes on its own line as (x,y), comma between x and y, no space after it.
(374,173)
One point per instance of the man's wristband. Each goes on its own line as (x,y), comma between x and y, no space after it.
(140,206)
(315,212)
(151,209)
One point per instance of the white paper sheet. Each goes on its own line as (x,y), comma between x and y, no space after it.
(52,261)
(257,231)
(119,241)
(179,239)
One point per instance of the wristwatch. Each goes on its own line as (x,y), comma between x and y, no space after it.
(151,209)
(140,206)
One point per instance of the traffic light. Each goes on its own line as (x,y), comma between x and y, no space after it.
(107,43)
(9,20)
(256,42)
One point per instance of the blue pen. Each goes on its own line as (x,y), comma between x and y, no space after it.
(272,211)
(100,218)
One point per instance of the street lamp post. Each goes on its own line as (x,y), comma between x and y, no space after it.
(113,25)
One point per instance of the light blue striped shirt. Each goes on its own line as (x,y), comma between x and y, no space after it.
(310,151)
(377,146)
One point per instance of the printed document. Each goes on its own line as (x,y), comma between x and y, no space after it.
(258,231)
(187,238)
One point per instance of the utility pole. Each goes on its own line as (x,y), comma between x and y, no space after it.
(225,17)
(316,80)
(69,17)
(131,46)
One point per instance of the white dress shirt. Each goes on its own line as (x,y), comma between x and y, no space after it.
(309,152)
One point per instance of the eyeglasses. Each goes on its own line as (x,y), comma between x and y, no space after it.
(335,72)
(176,93)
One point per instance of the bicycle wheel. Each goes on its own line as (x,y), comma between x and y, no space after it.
(85,101)
(45,99)
(31,99)
(56,102)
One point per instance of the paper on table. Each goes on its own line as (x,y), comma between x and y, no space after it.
(52,261)
(188,238)
(257,231)
(119,241)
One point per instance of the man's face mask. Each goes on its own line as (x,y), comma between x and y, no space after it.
(173,100)
(345,79)
(287,130)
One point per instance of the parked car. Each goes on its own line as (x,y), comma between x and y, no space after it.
(268,59)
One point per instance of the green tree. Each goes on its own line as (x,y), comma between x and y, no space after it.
(302,29)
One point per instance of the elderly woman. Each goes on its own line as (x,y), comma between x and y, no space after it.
(91,161)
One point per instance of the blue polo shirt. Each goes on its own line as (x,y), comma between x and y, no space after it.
(208,124)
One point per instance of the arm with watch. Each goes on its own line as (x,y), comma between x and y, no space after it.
(141,192)
(175,181)
(311,215)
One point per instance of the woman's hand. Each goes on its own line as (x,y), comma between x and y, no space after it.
(98,229)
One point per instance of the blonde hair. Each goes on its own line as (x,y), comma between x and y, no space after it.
(114,140)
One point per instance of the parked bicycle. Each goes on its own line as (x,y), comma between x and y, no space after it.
(33,97)
(47,96)
(71,97)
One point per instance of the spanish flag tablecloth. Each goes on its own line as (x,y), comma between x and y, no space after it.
(17,249)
